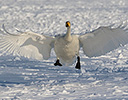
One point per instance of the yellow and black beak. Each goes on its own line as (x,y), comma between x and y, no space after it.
(68,24)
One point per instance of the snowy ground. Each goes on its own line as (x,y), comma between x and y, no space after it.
(101,78)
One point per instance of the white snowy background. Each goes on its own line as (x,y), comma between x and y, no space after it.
(101,78)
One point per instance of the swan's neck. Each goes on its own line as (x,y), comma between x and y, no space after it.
(68,36)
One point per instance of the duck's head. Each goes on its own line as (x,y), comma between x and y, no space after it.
(68,24)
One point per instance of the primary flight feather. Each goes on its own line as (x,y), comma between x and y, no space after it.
(37,46)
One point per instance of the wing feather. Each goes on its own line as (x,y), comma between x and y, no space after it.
(28,44)
(103,40)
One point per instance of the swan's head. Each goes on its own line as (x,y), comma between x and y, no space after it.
(68,24)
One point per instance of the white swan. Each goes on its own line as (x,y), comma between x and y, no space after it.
(37,46)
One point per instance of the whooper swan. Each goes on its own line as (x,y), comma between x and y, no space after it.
(66,47)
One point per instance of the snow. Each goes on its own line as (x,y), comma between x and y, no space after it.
(104,77)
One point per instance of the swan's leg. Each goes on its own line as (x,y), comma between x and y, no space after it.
(78,66)
(57,62)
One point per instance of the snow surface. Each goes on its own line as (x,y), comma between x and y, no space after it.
(101,78)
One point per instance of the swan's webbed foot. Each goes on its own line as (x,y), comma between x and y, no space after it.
(78,66)
(57,63)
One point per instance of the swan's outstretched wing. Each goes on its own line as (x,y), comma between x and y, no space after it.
(103,40)
(28,44)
